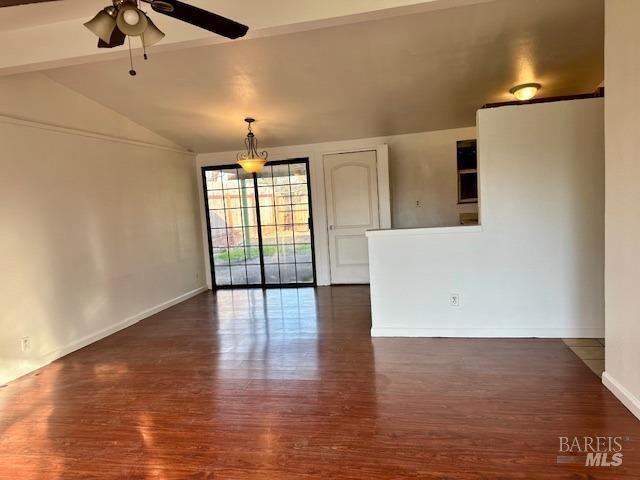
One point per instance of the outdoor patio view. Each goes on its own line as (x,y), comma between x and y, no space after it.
(260,225)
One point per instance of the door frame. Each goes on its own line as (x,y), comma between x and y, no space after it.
(262,285)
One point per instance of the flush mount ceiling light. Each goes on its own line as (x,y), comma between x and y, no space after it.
(526,91)
(251,161)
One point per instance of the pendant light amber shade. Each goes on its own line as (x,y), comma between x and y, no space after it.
(252,165)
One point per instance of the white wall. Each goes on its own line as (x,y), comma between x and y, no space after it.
(422,166)
(622,121)
(535,266)
(100,222)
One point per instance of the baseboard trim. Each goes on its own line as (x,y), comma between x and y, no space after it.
(628,399)
(46,359)
(489,332)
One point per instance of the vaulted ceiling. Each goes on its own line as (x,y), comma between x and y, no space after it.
(421,71)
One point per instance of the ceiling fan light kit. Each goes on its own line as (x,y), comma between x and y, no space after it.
(117,23)
(124,18)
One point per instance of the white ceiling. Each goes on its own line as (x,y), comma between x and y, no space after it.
(419,72)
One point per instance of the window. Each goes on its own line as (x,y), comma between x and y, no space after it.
(467,171)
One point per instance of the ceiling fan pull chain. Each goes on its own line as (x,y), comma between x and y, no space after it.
(144,47)
(132,72)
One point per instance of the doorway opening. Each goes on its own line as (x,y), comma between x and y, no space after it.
(260,225)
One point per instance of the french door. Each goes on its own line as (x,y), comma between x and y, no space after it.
(260,225)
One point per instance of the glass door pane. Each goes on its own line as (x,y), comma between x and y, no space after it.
(286,218)
(234,237)
(262,239)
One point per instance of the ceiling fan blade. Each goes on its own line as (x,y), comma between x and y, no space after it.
(200,18)
(117,39)
(13,3)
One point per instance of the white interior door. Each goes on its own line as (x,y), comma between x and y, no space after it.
(351,186)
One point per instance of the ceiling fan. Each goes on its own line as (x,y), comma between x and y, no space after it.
(124,18)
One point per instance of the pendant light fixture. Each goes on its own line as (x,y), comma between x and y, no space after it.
(251,161)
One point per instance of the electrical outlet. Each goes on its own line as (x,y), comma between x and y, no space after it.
(454,299)
(25,344)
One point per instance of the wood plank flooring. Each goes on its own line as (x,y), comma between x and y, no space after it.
(288,384)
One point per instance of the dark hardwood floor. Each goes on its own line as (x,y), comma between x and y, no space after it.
(288,384)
